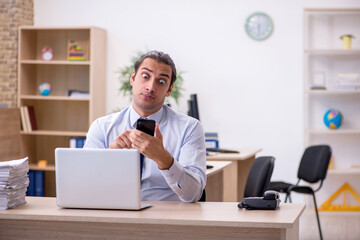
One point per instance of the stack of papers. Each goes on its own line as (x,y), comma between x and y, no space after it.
(13,183)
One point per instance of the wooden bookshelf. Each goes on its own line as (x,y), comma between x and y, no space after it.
(323,54)
(58,116)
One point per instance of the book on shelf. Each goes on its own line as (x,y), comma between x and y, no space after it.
(346,87)
(28,120)
(77,142)
(31,188)
(23,121)
(348,77)
(39,183)
(74,93)
(36,183)
(354,84)
(32,117)
(347,81)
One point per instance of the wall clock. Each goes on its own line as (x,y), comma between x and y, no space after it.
(259,26)
(47,54)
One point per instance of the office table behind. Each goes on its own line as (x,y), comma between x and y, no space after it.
(215,180)
(236,174)
(40,218)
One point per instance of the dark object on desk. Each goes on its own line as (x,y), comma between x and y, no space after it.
(256,196)
(270,201)
(313,169)
(259,176)
(209,166)
(221,150)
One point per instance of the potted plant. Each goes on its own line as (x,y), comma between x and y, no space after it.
(125,75)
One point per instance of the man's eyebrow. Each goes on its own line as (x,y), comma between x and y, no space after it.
(147,69)
(161,74)
(165,75)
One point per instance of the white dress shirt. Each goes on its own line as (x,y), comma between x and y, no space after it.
(183,138)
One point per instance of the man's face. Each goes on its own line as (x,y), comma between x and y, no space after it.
(150,86)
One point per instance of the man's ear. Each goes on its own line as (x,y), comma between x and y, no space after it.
(170,90)
(132,78)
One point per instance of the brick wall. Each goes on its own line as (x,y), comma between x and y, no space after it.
(13,13)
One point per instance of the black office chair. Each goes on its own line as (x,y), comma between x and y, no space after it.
(259,176)
(313,168)
(203,197)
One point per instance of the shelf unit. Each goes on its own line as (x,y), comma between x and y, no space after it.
(59,117)
(323,54)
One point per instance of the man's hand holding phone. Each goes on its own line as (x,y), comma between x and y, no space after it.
(152,147)
(123,140)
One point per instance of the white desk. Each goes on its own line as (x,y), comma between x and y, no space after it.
(40,218)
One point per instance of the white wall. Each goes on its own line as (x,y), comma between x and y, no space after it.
(249,92)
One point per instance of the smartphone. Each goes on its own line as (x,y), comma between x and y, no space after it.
(146,126)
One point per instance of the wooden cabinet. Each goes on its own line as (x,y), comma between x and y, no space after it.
(59,116)
(326,61)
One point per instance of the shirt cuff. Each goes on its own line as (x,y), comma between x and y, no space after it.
(173,174)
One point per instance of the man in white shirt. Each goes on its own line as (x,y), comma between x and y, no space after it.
(175,158)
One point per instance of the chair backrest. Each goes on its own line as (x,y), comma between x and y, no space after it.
(314,163)
(203,197)
(259,176)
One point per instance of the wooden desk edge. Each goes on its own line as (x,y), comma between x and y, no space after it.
(53,213)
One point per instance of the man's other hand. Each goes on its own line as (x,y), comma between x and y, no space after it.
(122,141)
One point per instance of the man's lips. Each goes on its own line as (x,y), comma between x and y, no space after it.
(148,96)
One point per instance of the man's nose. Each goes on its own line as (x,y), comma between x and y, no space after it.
(151,85)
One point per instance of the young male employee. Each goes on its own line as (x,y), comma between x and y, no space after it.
(175,158)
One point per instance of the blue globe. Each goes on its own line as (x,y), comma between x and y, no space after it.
(44,88)
(333,119)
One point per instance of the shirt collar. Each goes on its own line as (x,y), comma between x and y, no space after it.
(134,116)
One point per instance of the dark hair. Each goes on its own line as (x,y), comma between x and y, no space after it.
(160,57)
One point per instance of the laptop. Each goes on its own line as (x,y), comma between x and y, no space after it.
(98,178)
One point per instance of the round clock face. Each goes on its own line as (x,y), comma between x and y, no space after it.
(259,26)
(47,56)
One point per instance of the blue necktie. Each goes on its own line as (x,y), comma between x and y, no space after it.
(141,158)
(141,164)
